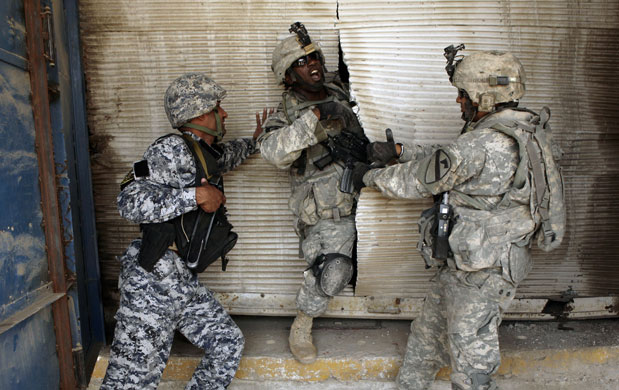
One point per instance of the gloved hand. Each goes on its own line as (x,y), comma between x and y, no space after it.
(334,110)
(382,153)
(357,175)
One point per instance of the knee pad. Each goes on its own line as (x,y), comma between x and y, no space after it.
(475,381)
(333,272)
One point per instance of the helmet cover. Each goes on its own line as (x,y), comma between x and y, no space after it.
(288,51)
(190,96)
(490,78)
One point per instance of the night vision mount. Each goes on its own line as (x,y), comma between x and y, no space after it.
(450,54)
(302,36)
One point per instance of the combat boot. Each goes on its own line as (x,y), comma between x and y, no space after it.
(300,339)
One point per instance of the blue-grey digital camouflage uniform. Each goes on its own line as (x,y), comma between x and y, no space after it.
(155,304)
(324,215)
(459,321)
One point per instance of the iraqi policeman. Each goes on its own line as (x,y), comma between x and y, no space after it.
(487,212)
(315,135)
(170,193)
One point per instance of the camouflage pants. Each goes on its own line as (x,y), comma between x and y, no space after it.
(458,325)
(152,306)
(326,236)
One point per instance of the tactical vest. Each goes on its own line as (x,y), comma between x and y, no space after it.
(533,208)
(199,237)
(315,192)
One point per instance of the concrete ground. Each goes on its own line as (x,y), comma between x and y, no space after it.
(366,354)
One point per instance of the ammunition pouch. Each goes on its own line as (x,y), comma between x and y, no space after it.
(482,239)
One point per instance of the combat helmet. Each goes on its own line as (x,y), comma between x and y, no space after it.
(190,96)
(291,49)
(489,77)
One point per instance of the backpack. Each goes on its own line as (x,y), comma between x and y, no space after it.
(538,159)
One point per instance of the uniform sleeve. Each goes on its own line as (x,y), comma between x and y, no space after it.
(235,152)
(282,144)
(441,171)
(166,192)
(416,152)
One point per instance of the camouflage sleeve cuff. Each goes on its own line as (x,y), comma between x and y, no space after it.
(320,133)
(252,144)
(412,152)
(314,129)
(407,154)
(396,181)
(189,195)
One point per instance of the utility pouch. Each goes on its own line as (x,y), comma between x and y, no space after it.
(202,238)
(427,232)
(156,238)
(481,239)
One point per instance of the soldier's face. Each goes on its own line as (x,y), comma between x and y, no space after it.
(211,121)
(208,120)
(309,69)
(467,107)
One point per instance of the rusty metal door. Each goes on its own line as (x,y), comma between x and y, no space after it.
(50,309)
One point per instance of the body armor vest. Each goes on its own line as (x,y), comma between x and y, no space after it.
(315,188)
(199,237)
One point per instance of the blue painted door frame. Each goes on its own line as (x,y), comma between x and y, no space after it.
(28,352)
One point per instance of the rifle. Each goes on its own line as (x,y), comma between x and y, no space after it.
(348,148)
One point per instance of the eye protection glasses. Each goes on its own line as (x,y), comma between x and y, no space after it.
(306,59)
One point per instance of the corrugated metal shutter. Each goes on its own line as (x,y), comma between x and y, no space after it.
(134,48)
(132,51)
(394,51)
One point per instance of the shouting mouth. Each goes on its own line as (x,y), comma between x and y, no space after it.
(315,75)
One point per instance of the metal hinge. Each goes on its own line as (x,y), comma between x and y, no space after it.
(48,36)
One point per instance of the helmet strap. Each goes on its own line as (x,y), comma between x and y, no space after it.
(218,133)
(469,114)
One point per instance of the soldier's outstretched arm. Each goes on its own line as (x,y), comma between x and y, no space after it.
(235,152)
(166,190)
(282,143)
(413,152)
(445,168)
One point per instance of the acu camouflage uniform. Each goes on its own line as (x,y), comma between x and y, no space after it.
(324,215)
(154,304)
(490,244)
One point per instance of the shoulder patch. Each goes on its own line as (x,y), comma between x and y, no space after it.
(140,168)
(439,165)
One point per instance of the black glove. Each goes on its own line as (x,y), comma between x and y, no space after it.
(335,110)
(382,153)
(357,175)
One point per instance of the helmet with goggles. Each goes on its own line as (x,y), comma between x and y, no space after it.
(294,49)
(190,96)
(488,78)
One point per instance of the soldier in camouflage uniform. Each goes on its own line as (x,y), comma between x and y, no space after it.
(313,110)
(490,192)
(168,296)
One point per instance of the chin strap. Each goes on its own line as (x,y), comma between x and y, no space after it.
(218,133)
(470,111)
